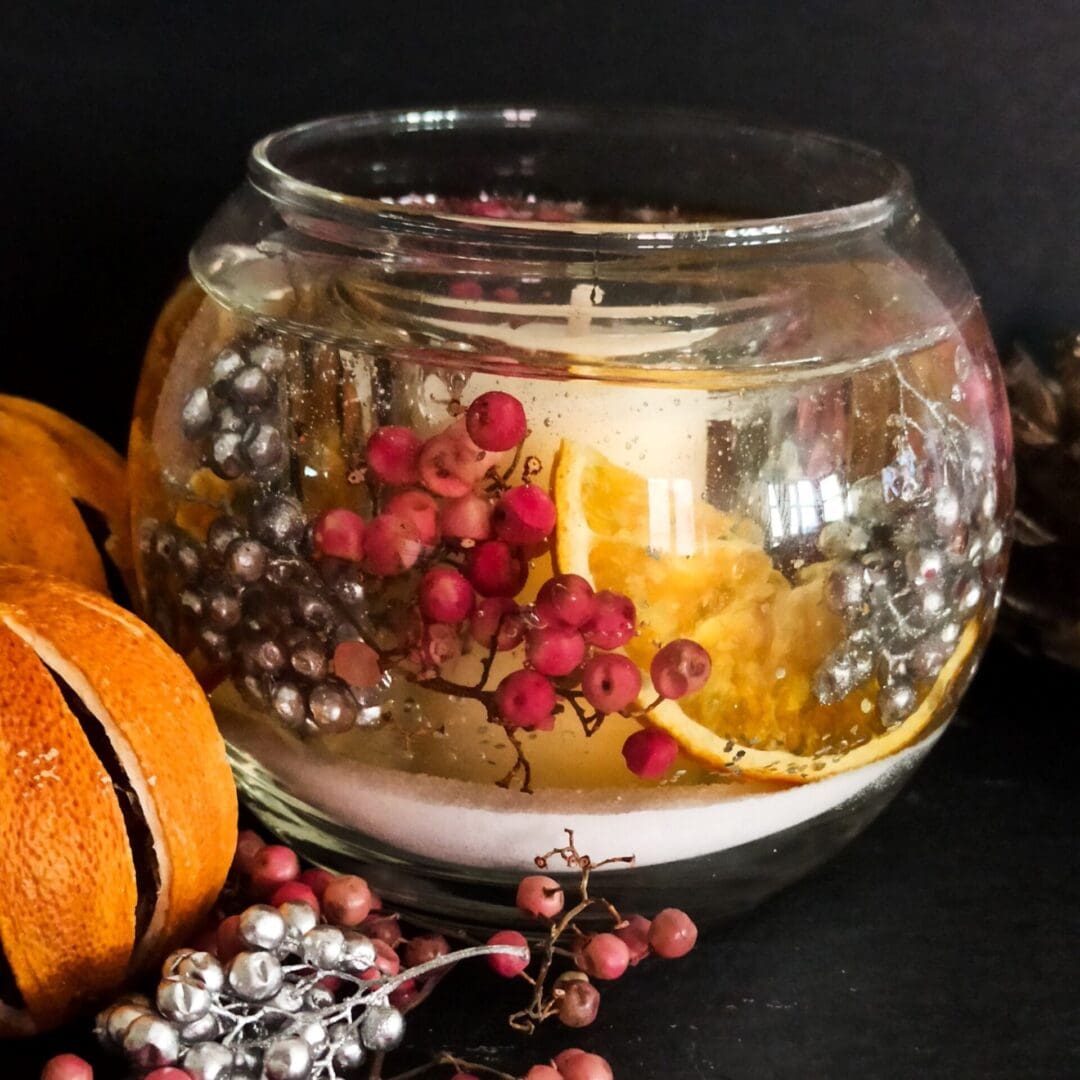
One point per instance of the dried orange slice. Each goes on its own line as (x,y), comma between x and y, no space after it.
(696,573)
(117,806)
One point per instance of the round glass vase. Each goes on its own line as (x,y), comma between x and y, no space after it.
(503,472)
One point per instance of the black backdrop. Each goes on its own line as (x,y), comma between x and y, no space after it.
(125,124)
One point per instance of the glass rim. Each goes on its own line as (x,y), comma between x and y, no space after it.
(271,175)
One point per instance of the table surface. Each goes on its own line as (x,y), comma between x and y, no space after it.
(943,942)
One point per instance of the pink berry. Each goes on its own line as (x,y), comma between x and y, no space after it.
(543,1072)
(387,961)
(495,569)
(503,964)
(67,1067)
(382,928)
(605,956)
(497,618)
(581,1066)
(168,1072)
(464,1076)
(295,890)
(496,421)
(393,544)
(248,845)
(445,595)
(466,289)
(419,508)
(339,533)
(554,650)
(358,664)
(649,753)
(672,934)
(524,515)
(579,1004)
(540,896)
(402,994)
(393,455)
(468,517)
(439,644)
(636,936)
(274,865)
(450,463)
(424,948)
(525,699)
(681,667)
(565,600)
(346,901)
(229,942)
(613,622)
(316,879)
(610,683)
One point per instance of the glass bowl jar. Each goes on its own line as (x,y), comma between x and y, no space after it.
(508,471)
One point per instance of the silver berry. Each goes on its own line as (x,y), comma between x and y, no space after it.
(203,968)
(254,976)
(312,1031)
(269,358)
(226,364)
(287,1058)
(209,1061)
(382,1028)
(261,927)
(288,999)
(332,707)
(946,509)
(206,1027)
(263,446)
(845,589)
(348,1054)
(250,386)
(182,1000)
(151,1042)
(171,964)
(226,456)
(197,415)
(112,1024)
(323,946)
(358,952)
(895,703)
(245,560)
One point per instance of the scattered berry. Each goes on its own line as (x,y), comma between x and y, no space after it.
(339,533)
(295,890)
(316,879)
(450,463)
(503,964)
(672,934)
(613,622)
(681,667)
(540,896)
(579,1003)
(439,644)
(358,664)
(229,942)
(524,515)
(346,901)
(419,508)
(610,683)
(649,753)
(466,289)
(424,948)
(578,1065)
(605,956)
(67,1067)
(393,544)
(387,961)
(393,455)
(543,1072)
(554,650)
(636,936)
(272,866)
(496,421)
(248,845)
(445,595)
(468,517)
(498,618)
(495,569)
(525,699)
(565,600)
(401,995)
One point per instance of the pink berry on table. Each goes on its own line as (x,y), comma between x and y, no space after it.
(554,650)
(604,956)
(346,901)
(295,890)
(579,1004)
(496,421)
(613,622)
(540,896)
(610,682)
(393,454)
(636,936)
(468,517)
(445,595)
(419,508)
(543,1072)
(524,515)
(649,753)
(339,533)
(495,569)
(424,948)
(358,664)
(525,699)
(273,866)
(502,963)
(392,544)
(439,644)
(67,1067)
(499,619)
(248,845)
(578,1065)
(681,667)
(316,879)
(565,600)
(672,934)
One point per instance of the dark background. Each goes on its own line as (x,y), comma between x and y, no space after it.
(944,942)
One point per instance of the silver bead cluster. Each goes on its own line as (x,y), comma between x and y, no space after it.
(268,1013)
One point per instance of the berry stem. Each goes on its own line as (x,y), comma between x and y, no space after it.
(521,765)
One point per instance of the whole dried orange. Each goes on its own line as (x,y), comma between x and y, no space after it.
(117,806)
(55,478)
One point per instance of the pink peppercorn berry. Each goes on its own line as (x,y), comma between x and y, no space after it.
(271,867)
(649,753)
(450,463)
(419,508)
(495,569)
(610,683)
(540,896)
(524,515)
(229,942)
(419,950)
(635,934)
(347,900)
(392,545)
(358,664)
(339,533)
(502,963)
(316,879)
(604,956)
(67,1067)
(439,645)
(468,517)
(579,1004)
(554,650)
(464,1076)
(496,421)
(543,1072)
(575,1064)
(387,962)
(295,891)
(445,595)
(498,619)
(672,934)
(565,600)
(168,1072)
(681,667)
(525,699)
(392,455)
(613,622)
(248,845)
